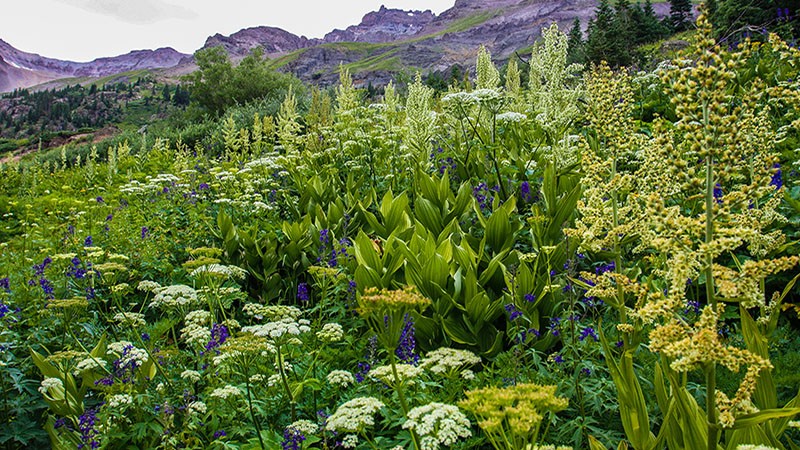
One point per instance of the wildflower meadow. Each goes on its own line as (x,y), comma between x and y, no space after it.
(547,256)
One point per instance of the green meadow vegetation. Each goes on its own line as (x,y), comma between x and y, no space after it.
(555,256)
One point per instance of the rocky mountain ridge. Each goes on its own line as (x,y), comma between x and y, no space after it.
(20,69)
(385,42)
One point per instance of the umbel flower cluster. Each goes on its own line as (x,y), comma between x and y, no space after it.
(511,416)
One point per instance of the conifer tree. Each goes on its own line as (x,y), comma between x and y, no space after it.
(680,14)
(576,52)
(602,43)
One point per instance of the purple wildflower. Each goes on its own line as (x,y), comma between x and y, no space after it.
(145,232)
(220,433)
(554,324)
(718,193)
(405,348)
(530,298)
(88,242)
(292,439)
(588,332)
(86,426)
(219,334)
(302,292)
(777,178)
(5,284)
(525,191)
(513,312)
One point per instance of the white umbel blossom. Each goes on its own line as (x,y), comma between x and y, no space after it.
(197,408)
(305,427)
(226,392)
(350,441)
(119,400)
(445,359)
(50,383)
(177,295)
(406,373)
(88,364)
(148,286)
(130,319)
(191,375)
(331,332)
(219,270)
(438,424)
(355,415)
(511,116)
(279,329)
(340,378)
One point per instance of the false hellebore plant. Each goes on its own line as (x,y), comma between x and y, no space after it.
(701,208)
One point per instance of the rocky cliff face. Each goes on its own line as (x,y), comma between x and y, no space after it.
(272,40)
(21,69)
(384,25)
(386,41)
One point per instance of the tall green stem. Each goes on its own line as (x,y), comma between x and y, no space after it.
(399,389)
(711,370)
(285,382)
(252,412)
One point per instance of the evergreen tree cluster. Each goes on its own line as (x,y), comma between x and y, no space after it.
(27,114)
(615,31)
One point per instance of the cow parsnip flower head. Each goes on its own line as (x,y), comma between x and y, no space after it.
(406,375)
(438,424)
(449,361)
(174,296)
(355,415)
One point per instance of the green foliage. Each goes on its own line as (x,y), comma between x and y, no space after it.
(226,283)
(218,85)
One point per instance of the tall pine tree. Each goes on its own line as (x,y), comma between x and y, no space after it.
(576,51)
(680,14)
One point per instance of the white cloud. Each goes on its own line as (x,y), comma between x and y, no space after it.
(136,12)
(81,30)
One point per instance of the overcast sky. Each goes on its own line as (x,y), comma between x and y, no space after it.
(81,30)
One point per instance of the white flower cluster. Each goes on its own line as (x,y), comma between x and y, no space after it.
(438,424)
(355,415)
(305,427)
(271,312)
(128,353)
(274,380)
(226,392)
(350,441)
(88,364)
(340,378)
(219,270)
(50,383)
(196,408)
(550,447)
(196,330)
(177,295)
(511,116)
(148,286)
(445,359)
(191,375)
(405,372)
(119,400)
(279,329)
(754,447)
(330,332)
(131,319)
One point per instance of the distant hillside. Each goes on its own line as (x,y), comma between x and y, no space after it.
(384,42)
(20,69)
